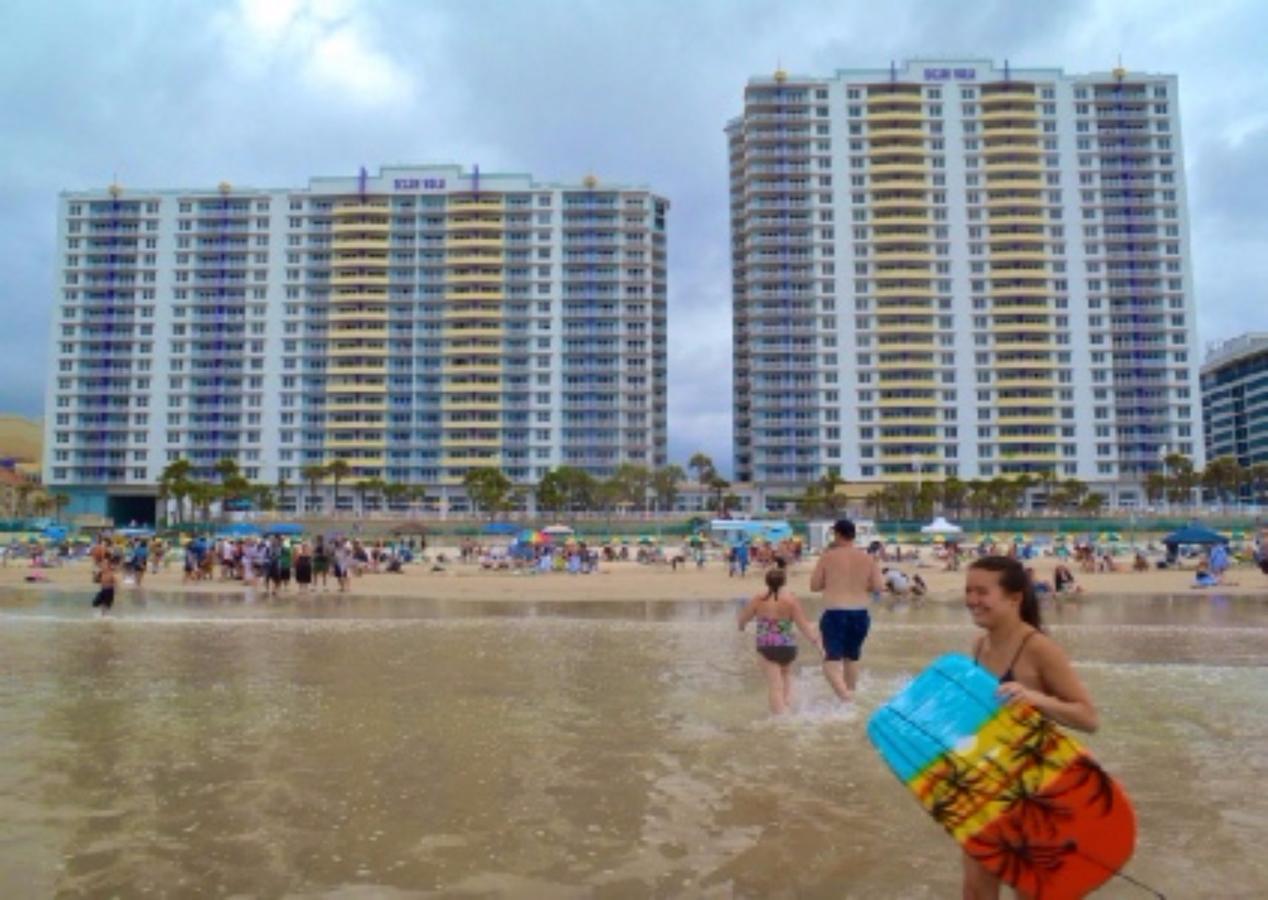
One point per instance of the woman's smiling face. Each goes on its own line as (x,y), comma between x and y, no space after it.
(986,601)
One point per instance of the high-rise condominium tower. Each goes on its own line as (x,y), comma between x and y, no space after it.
(949,268)
(413,324)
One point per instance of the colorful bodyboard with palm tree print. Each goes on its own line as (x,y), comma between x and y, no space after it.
(1017,793)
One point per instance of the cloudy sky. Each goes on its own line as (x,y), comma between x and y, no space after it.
(268,92)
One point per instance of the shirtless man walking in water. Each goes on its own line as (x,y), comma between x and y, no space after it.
(848,577)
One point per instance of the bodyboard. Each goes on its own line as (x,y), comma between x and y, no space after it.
(1015,791)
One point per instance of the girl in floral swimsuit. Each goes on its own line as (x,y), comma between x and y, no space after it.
(776,612)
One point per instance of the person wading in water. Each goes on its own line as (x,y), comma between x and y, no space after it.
(848,578)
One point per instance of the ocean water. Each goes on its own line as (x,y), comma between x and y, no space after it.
(208,746)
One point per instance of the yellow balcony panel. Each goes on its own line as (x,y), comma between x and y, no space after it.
(1003,151)
(896,112)
(1016,255)
(472,313)
(1008,134)
(1007,95)
(355,443)
(453,441)
(450,369)
(891,324)
(493,459)
(1030,307)
(470,404)
(337,350)
(1023,398)
(908,438)
(892,272)
(1015,201)
(474,259)
(481,352)
(902,185)
(377,405)
(353,295)
(904,290)
(1015,217)
(467,292)
(998,113)
(916,419)
(881,94)
(359,208)
(358,278)
(1030,237)
(908,362)
(492,204)
(1043,381)
(357,334)
(887,255)
(475,223)
(493,277)
(473,243)
(346,371)
(1032,436)
(1014,290)
(908,399)
(1004,169)
(903,453)
(359,261)
(898,243)
(899,168)
(357,315)
(1012,271)
(881,205)
(358,243)
(1011,347)
(361,226)
(904,221)
(1021,418)
(472,386)
(884,131)
(355,387)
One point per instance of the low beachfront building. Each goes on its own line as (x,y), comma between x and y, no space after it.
(1235,400)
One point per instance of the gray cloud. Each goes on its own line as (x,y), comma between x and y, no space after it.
(268,93)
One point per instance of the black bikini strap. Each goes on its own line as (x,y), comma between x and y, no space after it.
(1020,647)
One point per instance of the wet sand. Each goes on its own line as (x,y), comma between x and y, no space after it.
(629,581)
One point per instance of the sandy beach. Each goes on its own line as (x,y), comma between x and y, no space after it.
(631,581)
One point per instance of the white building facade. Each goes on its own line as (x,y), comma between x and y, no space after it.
(952,268)
(414,323)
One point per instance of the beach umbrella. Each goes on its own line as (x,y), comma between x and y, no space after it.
(557,529)
(1195,534)
(941,526)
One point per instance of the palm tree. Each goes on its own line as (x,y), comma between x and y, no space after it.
(60,502)
(282,485)
(24,495)
(395,492)
(702,465)
(338,469)
(313,474)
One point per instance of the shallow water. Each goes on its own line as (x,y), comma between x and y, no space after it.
(421,748)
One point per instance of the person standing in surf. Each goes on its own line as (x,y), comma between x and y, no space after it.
(105,594)
(777,611)
(1031,667)
(848,577)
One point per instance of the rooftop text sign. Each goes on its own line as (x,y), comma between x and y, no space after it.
(418,184)
(950,74)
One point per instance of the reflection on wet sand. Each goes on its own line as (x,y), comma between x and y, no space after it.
(385,747)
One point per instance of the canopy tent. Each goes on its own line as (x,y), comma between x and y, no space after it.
(284,529)
(241,529)
(1195,534)
(136,532)
(556,529)
(503,528)
(941,526)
